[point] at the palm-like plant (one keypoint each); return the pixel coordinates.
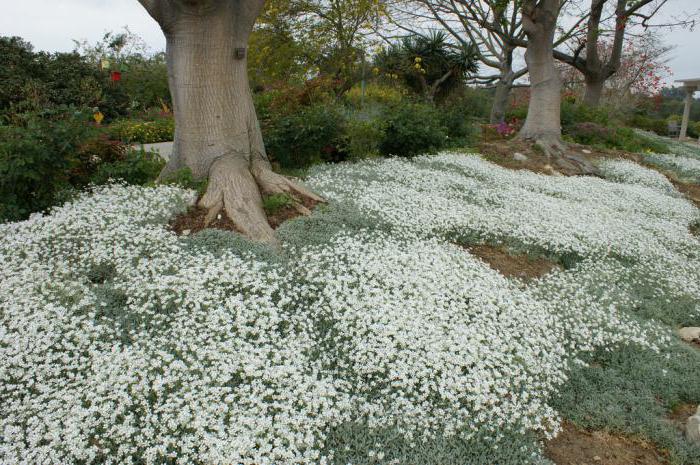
(429, 65)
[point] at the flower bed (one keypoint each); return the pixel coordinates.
(371, 338)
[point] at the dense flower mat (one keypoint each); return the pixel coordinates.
(373, 335)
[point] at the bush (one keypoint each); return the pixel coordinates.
(460, 123)
(614, 138)
(657, 126)
(574, 113)
(375, 93)
(137, 167)
(37, 159)
(363, 137)
(35, 81)
(274, 203)
(413, 129)
(144, 132)
(309, 136)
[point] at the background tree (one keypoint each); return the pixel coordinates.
(598, 58)
(543, 122)
(428, 65)
(217, 135)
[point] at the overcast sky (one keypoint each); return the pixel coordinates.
(53, 24)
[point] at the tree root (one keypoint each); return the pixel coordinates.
(564, 158)
(235, 190)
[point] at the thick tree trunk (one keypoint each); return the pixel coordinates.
(217, 135)
(594, 91)
(543, 122)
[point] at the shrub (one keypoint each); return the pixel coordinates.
(306, 137)
(615, 138)
(375, 93)
(573, 113)
(460, 123)
(37, 158)
(413, 129)
(144, 132)
(658, 126)
(34, 81)
(276, 202)
(363, 137)
(184, 178)
(137, 167)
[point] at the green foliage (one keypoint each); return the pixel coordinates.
(363, 137)
(309, 136)
(460, 123)
(413, 129)
(184, 178)
(146, 132)
(615, 138)
(658, 126)
(376, 93)
(428, 65)
(574, 113)
(37, 159)
(633, 391)
(274, 203)
(34, 81)
(137, 167)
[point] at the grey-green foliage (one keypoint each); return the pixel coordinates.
(326, 222)
(632, 391)
(358, 444)
(218, 242)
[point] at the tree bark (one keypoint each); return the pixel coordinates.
(217, 134)
(500, 98)
(594, 90)
(543, 122)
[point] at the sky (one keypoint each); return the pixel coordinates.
(52, 25)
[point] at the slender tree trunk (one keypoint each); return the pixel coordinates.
(594, 90)
(500, 99)
(217, 135)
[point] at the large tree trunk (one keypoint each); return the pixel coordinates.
(217, 135)
(543, 122)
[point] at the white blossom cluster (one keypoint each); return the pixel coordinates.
(452, 194)
(686, 168)
(629, 172)
(121, 342)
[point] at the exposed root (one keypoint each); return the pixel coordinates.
(563, 157)
(235, 190)
(273, 183)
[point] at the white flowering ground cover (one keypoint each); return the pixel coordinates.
(372, 337)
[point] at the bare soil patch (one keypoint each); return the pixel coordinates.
(502, 152)
(575, 446)
(679, 415)
(192, 221)
(513, 266)
(287, 213)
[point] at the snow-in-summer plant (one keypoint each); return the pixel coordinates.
(687, 169)
(121, 342)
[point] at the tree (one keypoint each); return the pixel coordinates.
(586, 56)
(428, 65)
(494, 26)
(217, 134)
(543, 122)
